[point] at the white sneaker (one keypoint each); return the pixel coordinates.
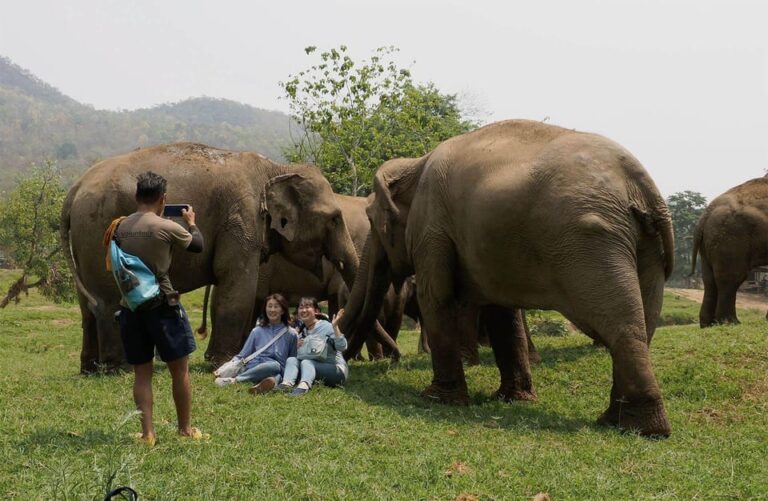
(224, 381)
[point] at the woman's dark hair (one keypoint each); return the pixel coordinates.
(313, 301)
(284, 318)
(150, 187)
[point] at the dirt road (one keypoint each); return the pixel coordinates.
(743, 300)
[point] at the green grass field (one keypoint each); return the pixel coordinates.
(65, 436)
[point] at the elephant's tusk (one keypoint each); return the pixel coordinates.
(341, 265)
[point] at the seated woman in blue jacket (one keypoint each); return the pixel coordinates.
(332, 370)
(265, 368)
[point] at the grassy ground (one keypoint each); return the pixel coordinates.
(64, 436)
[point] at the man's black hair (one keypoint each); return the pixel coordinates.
(150, 187)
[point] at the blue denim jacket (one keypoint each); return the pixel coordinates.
(279, 351)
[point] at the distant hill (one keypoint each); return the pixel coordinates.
(39, 122)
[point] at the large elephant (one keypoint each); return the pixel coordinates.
(520, 214)
(278, 274)
(732, 238)
(247, 207)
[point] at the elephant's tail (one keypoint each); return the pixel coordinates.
(698, 234)
(668, 242)
(203, 329)
(664, 223)
(657, 222)
(64, 227)
(652, 211)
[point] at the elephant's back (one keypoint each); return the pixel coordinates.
(562, 195)
(752, 193)
(738, 219)
(741, 208)
(213, 181)
(176, 161)
(553, 177)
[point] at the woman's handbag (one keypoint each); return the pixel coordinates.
(237, 365)
(230, 369)
(313, 348)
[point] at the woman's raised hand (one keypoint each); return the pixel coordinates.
(337, 317)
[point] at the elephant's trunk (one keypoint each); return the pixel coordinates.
(367, 296)
(343, 255)
(698, 234)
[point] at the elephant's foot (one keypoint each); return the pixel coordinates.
(105, 368)
(648, 418)
(453, 394)
(89, 366)
(704, 323)
(217, 359)
(729, 320)
(470, 358)
(511, 392)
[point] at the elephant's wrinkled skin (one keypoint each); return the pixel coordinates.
(247, 207)
(732, 238)
(521, 214)
(280, 275)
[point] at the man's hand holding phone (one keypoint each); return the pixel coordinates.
(189, 215)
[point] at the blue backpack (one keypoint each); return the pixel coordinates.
(135, 280)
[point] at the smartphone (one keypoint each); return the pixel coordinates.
(174, 210)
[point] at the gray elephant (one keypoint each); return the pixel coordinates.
(278, 274)
(247, 207)
(732, 238)
(520, 214)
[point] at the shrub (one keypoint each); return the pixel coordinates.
(548, 327)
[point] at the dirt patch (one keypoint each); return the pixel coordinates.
(744, 301)
(756, 392)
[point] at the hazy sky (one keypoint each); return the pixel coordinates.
(682, 84)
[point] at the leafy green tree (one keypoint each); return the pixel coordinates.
(686, 208)
(29, 232)
(356, 115)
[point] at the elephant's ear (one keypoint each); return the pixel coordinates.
(281, 202)
(395, 180)
(387, 210)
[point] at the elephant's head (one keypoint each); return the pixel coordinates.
(386, 258)
(394, 187)
(303, 222)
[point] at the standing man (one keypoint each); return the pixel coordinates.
(160, 323)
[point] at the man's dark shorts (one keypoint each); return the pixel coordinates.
(165, 327)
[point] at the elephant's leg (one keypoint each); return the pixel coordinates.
(709, 304)
(533, 353)
(725, 312)
(468, 325)
(423, 340)
(510, 348)
(651, 279)
(111, 353)
(89, 353)
(386, 341)
(636, 402)
(612, 308)
(435, 286)
(258, 308)
(375, 351)
(232, 302)
(231, 319)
